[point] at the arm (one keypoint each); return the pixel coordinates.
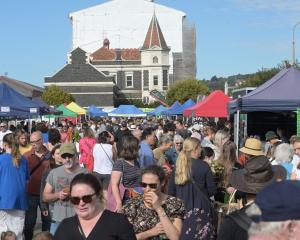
(115, 181)
(155, 231)
(294, 176)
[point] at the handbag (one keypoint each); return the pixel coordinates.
(111, 203)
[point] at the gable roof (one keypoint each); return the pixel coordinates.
(107, 54)
(154, 37)
(280, 93)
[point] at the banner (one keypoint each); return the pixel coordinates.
(159, 97)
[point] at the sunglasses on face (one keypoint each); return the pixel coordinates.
(151, 185)
(67, 155)
(85, 199)
(36, 141)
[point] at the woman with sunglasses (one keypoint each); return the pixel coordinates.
(92, 221)
(155, 215)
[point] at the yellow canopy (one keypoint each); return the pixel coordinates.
(76, 108)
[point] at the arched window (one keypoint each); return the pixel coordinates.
(155, 59)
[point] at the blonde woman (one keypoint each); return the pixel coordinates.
(193, 183)
(14, 174)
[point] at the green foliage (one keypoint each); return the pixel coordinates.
(185, 89)
(53, 95)
(260, 77)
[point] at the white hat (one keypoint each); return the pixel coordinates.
(132, 127)
(196, 135)
(197, 127)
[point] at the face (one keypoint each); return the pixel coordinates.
(36, 141)
(137, 133)
(68, 160)
(178, 145)
(85, 209)
(167, 146)
(3, 127)
(151, 183)
(57, 157)
(151, 139)
(296, 146)
(23, 140)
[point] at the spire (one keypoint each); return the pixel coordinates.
(154, 37)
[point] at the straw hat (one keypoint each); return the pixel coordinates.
(252, 147)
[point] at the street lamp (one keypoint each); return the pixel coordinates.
(294, 58)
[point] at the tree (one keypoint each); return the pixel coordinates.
(53, 95)
(260, 77)
(185, 89)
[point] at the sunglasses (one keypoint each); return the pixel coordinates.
(67, 155)
(151, 185)
(85, 199)
(36, 141)
(2, 126)
(178, 143)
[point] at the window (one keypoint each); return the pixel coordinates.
(155, 80)
(155, 59)
(129, 81)
(146, 100)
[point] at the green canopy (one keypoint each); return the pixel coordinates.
(66, 112)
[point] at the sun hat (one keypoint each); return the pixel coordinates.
(132, 127)
(271, 135)
(67, 148)
(279, 201)
(197, 127)
(196, 135)
(252, 147)
(257, 173)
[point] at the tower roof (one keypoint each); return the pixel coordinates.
(154, 37)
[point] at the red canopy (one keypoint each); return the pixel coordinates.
(215, 105)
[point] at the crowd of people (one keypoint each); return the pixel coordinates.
(146, 179)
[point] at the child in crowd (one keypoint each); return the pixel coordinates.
(8, 235)
(43, 236)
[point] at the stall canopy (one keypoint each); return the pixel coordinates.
(280, 93)
(127, 111)
(179, 110)
(157, 111)
(169, 111)
(215, 105)
(76, 108)
(65, 111)
(96, 112)
(13, 103)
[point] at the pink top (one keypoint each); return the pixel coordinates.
(86, 146)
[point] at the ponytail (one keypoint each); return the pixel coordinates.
(15, 152)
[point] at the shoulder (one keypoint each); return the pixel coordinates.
(114, 217)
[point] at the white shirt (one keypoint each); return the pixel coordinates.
(103, 158)
(2, 134)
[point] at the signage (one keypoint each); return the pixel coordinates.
(5, 109)
(159, 97)
(33, 110)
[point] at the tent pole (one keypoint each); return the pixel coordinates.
(237, 131)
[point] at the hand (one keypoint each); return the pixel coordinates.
(152, 199)
(62, 195)
(118, 207)
(45, 213)
(230, 190)
(158, 229)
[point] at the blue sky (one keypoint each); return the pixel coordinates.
(233, 36)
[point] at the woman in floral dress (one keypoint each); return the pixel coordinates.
(155, 215)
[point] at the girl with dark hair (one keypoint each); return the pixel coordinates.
(156, 215)
(126, 170)
(53, 138)
(91, 220)
(86, 145)
(104, 157)
(14, 174)
(207, 154)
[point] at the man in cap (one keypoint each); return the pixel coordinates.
(257, 174)
(57, 189)
(279, 204)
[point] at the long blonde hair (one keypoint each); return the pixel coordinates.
(184, 161)
(13, 144)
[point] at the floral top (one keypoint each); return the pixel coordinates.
(143, 218)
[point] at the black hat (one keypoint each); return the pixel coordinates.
(258, 173)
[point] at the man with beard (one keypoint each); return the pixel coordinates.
(57, 189)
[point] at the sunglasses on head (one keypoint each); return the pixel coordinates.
(151, 185)
(85, 199)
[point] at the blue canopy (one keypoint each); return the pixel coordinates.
(157, 111)
(13, 103)
(96, 112)
(127, 111)
(169, 112)
(280, 93)
(179, 110)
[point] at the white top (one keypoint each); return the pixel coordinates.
(295, 162)
(2, 134)
(103, 162)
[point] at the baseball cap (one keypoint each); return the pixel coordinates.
(67, 148)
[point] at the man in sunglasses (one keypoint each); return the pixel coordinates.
(57, 189)
(3, 131)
